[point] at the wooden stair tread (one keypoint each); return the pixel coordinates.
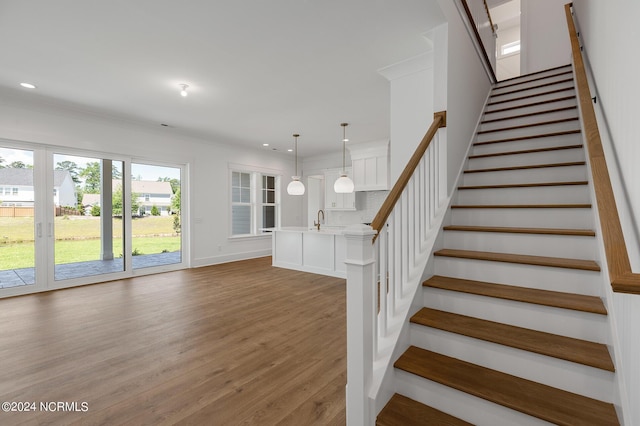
(535, 95)
(524, 185)
(555, 299)
(510, 230)
(550, 101)
(545, 402)
(531, 114)
(524, 126)
(529, 166)
(555, 262)
(566, 348)
(523, 89)
(527, 151)
(522, 138)
(404, 411)
(521, 206)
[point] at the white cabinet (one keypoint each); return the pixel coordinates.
(332, 200)
(370, 161)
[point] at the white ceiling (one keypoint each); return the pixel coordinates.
(258, 70)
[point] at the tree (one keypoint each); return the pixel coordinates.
(115, 173)
(175, 209)
(71, 167)
(175, 202)
(175, 183)
(91, 176)
(117, 202)
(155, 211)
(95, 210)
(18, 165)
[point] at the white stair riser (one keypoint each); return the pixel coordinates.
(574, 194)
(538, 175)
(525, 218)
(557, 103)
(541, 277)
(459, 404)
(533, 80)
(529, 131)
(573, 247)
(539, 98)
(571, 377)
(544, 157)
(535, 143)
(563, 322)
(532, 119)
(518, 92)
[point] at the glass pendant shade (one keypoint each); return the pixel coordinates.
(344, 185)
(295, 187)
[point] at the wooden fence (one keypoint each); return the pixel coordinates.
(28, 211)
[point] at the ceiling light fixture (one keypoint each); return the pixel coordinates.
(344, 185)
(28, 85)
(295, 187)
(184, 87)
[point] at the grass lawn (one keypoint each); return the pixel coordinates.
(78, 239)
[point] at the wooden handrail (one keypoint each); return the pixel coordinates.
(439, 120)
(486, 7)
(623, 280)
(485, 56)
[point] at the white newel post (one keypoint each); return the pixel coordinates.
(360, 263)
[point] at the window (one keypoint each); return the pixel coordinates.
(15, 191)
(268, 202)
(254, 202)
(147, 197)
(241, 203)
(510, 48)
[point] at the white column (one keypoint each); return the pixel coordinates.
(361, 293)
(106, 210)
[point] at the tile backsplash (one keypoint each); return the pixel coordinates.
(368, 204)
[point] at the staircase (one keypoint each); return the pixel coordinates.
(512, 330)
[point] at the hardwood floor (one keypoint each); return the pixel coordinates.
(235, 344)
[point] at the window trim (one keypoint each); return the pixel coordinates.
(256, 203)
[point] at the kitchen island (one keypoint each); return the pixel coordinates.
(310, 250)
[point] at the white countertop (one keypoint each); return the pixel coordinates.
(331, 230)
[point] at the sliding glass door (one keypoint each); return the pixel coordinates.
(71, 218)
(156, 225)
(17, 218)
(87, 216)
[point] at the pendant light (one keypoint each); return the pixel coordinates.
(295, 187)
(344, 185)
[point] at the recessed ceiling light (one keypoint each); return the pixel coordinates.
(265, 144)
(28, 85)
(184, 88)
(290, 150)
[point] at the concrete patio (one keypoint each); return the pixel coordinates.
(26, 276)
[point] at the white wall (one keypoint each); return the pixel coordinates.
(411, 86)
(544, 40)
(609, 32)
(467, 86)
(24, 119)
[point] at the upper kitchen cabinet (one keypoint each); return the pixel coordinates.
(333, 200)
(370, 162)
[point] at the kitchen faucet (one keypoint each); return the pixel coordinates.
(317, 225)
